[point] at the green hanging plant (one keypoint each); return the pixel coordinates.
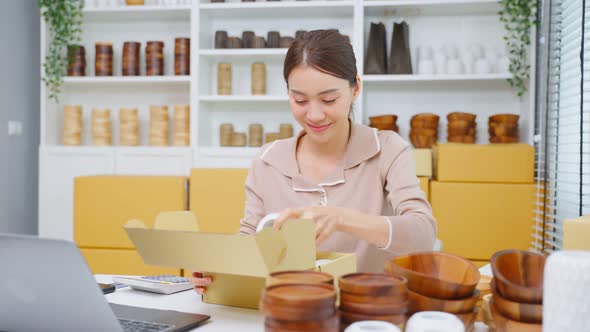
(518, 16)
(64, 19)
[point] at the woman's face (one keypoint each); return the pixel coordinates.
(320, 102)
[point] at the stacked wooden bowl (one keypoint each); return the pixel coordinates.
(226, 131)
(101, 127)
(424, 130)
(373, 296)
(159, 125)
(300, 307)
(128, 127)
(103, 59)
(182, 56)
(503, 128)
(154, 58)
(181, 125)
(517, 289)
(439, 282)
(285, 130)
(384, 122)
(255, 132)
(299, 277)
(461, 127)
(72, 129)
(130, 61)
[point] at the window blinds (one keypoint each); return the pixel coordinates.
(562, 125)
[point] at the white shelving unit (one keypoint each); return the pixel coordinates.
(432, 22)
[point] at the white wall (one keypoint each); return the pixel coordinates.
(19, 101)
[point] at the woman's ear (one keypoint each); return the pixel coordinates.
(357, 89)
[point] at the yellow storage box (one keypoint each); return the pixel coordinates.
(497, 163)
(103, 204)
(423, 162)
(576, 233)
(217, 198)
(477, 219)
(425, 186)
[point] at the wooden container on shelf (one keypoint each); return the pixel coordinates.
(224, 79)
(128, 127)
(259, 42)
(238, 139)
(76, 60)
(182, 56)
(248, 39)
(221, 39)
(101, 127)
(103, 59)
(299, 277)
(286, 42)
(154, 58)
(226, 131)
(134, 2)
(461, 127)
(255, 132)
(286, 130)
(258, 78)
(273, 39)
(234, 42)
(72, 125)
(271, 137)
(424, 130)
(181, 124)
(130, 60)
(159, 122)
(503, 128)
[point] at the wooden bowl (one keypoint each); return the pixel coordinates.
(454, 116)
(436, 274)
(504, 129)
(519, 275)
(299, 277)
(134, 2)
(504, 324)
(370, 308)
(298, 301)
(328, 324)
(504, 118)
(396, 296)
(422, 142)
(350, 317)
(423, 132)
(419, 302)
(522, 312)
(375, 284)
(424, 120)
(383, 119)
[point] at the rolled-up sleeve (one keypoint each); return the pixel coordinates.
(413, 227)
(254, 207)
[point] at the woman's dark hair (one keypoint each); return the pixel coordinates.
(325, 50)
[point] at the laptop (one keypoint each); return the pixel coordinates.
(45, 285)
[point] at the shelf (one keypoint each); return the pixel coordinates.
(435, 78)
(431, 7)
(139, 13)
(284, 9)
(90, 149)
(265, 53)
(228, 152)
(127, 80)
(243, 98)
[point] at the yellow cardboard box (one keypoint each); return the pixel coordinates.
(121, 261)
(423, 162)
(576, 233)
(497, 163)
(477, 219)
(237, 263)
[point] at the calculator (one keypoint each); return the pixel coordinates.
(162, 284)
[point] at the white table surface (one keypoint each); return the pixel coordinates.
(223, 318)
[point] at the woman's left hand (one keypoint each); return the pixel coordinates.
(327, 219)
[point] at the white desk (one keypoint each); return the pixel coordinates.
(223, 318)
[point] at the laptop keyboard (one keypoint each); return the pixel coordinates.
(141, 326)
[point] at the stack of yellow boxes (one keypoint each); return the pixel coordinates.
(102, 206)
(483, 198)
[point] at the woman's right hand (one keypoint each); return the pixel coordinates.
(200, 282)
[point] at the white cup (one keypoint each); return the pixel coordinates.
(477, 50)
(482, 66)
(438, 321)
(440, 62)
(455, 67)
(372, 326)
(468, 60)
(503, 65)
(426, 67)
(451, 51)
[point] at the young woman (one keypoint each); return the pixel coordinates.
(356, 183)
